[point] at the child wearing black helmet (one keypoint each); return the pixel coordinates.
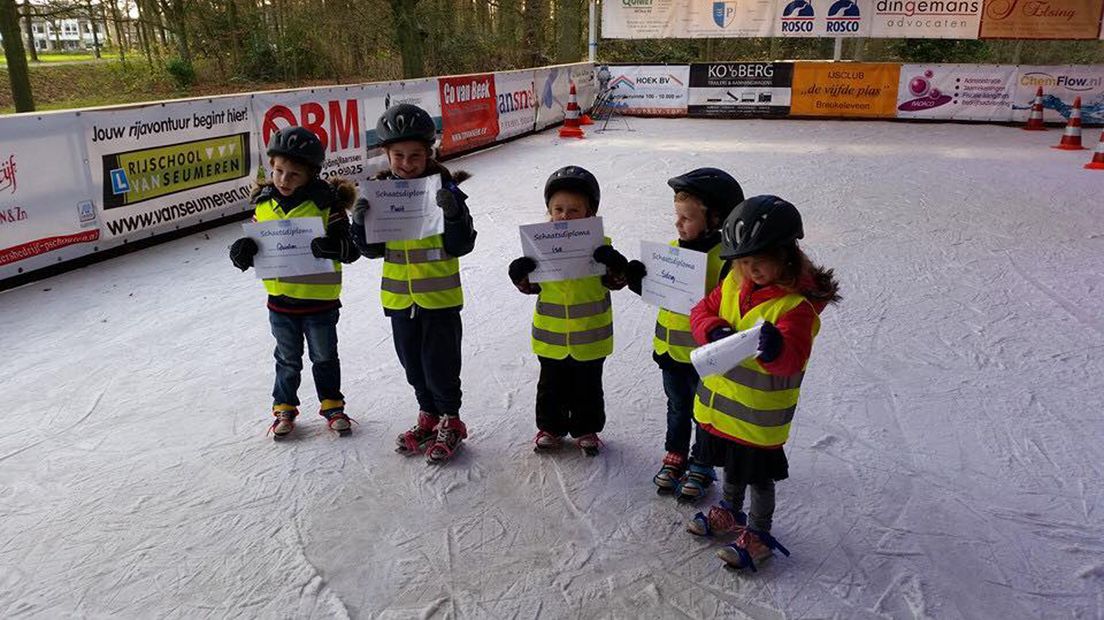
(703, 199)
(572, 324)
(420, 289)
(303, 307)
(747, 411)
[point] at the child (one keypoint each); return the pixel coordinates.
(703, 199)
(572, 324)
(746, 412)
(421, 289)
(303, 306)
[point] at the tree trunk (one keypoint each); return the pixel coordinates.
(120, 38)
(408, 37)
(235, 34)
(18, 75)
(535, 14)
(569, 23)
(92, 25)
(28, 27)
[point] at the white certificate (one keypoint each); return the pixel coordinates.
(717, 358)
(401, 209)
(563, 250)
(676, 276)
(284, 247)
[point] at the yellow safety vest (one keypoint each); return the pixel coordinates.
(420, 272)
(322, 286)
(672, 330)
(748, 403)
(573, 318)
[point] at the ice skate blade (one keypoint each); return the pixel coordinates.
(590, 451)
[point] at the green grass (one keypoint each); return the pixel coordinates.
(46, 58)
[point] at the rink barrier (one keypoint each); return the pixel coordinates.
(80, 186)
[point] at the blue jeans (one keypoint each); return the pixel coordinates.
(320, 332)
(680, 381)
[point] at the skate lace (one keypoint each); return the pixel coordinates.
(674, 460)
(722, 520)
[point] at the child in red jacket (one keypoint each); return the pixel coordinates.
(746, 412)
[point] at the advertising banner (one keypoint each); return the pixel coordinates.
(863, 90)
(159, 167)
(1061, 85)
(740, 89)
(552, 85)
(586, 84)
(956, 92)
(925, 19)
(1035, 19)
(517, 103)
(838, 18)
(47, 212)
(650, 90)
(469, 112)
(334, 114)
(655, 19)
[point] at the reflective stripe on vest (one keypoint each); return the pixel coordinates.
(573, 318)
(672, 332)
(747, 403)
(322, 286)
(420, 272)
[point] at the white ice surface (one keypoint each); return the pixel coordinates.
(946, 459)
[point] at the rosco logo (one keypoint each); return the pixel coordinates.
(7, 174)
(843, 16)
(798, 16)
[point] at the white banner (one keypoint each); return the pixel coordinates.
(551, 87)
(47, 212)
(517, 103)
(1061, 85)
(563, 250)
(675, 277)
(160, 167)
(376, 98)
(650, 90)
(335, 115)
(658, 19)
(284, 247)
(402, 209)
(960, 92)
(586, 84)
(838, 18)
(925, 19)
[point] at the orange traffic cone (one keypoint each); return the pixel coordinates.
(586, 120)
(1071, 138)
(571, 128)
(1035, 121)
(1097, 162)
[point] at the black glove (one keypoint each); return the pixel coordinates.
(360, 211)
(611, 258)
(333, 248)
(770, 342)
(448, 203)
(634, 273)
(242, 252)
(520, 269)
(718, 333)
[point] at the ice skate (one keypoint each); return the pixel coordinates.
(334, 412)
(751, 548)
(284, 422)
(722, 520)
(589, 444)
(450, 433)
(417, 439)
(547, 442)
(667, 479)
(695, 484)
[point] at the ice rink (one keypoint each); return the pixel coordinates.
(946, 459)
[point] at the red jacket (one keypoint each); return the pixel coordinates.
(796, 325)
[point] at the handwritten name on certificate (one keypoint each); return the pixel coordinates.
(283, 247)
(401, 209)
(676, 276)
(563, 250)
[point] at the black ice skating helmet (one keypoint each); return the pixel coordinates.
(574, 179)
(718, 191)
(405, 121)
(758, 224)
(297, 143)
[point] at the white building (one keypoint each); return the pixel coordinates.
(66, 34)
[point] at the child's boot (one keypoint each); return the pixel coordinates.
(751, 548)
(589, 444)
(418, 438)
(334, 412)
(674, 465)
(450, 432)
(722, 520)
(547, 442)
(695, 484)
(284, 422)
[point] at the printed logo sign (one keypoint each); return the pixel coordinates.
(724, 13)
(650, 90)
(1041, 19)
(7, 175)
(334, 119)
(964, 92)
(926, 19)
(740, 90)
(1061, 85)
(852, 89)
(469, 112)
